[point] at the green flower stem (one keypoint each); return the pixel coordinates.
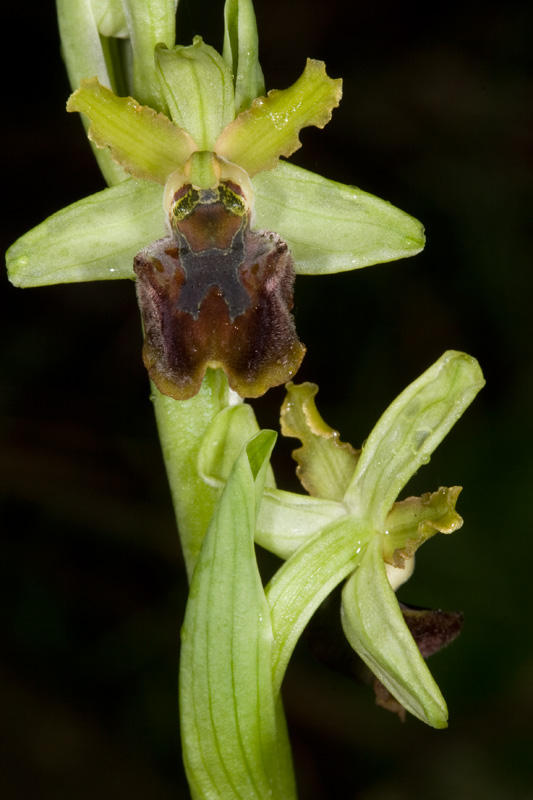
(182, 425)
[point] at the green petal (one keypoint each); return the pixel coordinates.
(375, 628)
(331, 227)
(147, 144)
(149, 23)
(241, 52)
(198, 88)
(227, 702)
(306, 579)
(414, 520)
(325, 464)
(270, 128)
(94, 239)
(409, 431)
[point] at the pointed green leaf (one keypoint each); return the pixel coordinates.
(198, 88)
(229, 712)
(306, 579)
(147, 144)
(325, 464)
(414, 520)
(409, 431)
(149, 22)
(269, 129)
(84, 56)
(376, 629)
(287, 520)
(94, 239)
(331, 227)
(241, 52)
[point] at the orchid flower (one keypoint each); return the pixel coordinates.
(205, 214)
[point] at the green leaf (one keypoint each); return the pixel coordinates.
(92, 240)
(331, 227)
(228, 433)
(149, 22)
(325, 464)
(198, 88)
(241, 52)
(269, 129)
(409, 431)
(84, 57)
(287, 520)
(306, 579)
(147, 144)
(231, 731)
(375, 628)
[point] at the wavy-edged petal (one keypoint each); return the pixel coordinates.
(413, 521)
(325, 464)
(147, 144)
(269, 129)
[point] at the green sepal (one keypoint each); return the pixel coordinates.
(269, 129)
(240, 52)
(288, 520)
(409, 431)
(222, 443)
(331, 227)
(376, 629)
(325, 464)
(94, 239)
(413, 521)
(198, 88)
(149, 22)
(306, 579)
(231, 732)
(147, 144)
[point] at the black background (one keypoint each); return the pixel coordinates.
(437, 118)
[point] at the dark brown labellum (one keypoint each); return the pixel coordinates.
(216, 294)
